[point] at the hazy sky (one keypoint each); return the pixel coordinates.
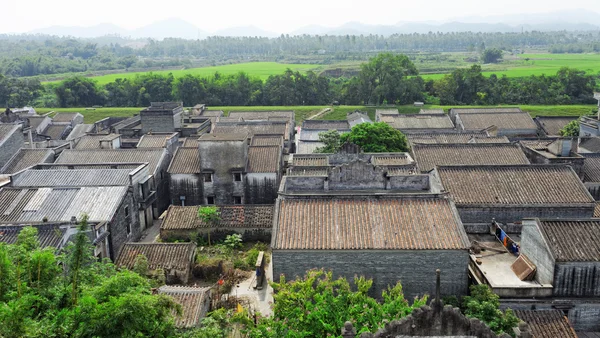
(273, 15)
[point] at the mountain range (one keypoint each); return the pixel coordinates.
(571, 20)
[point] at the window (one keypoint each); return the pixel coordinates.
(127, 220)
(237, 199)
(207, 177)
(237, 177)
(210, 200)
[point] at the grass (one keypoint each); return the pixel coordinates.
(261, 70)
(337, 112)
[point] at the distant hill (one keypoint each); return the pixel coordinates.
(572, 20)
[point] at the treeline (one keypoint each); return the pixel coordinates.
(25, 55)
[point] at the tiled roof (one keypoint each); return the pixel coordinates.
(597, 210)
(491, 110)
(240, 136)
(190, 142)
(48, 235)
(263, 159)
(152, 156)
(305, 147)
(591, 144)
(432, 138)
(154, 140)
(326, 124)
(212, 113)
(185, 161)
(400, 171)
(300, 171)
(26, 158)
(165, 256)
(388, 111)
(591, 169)
(501, 120)
(231, 216)
(369, 223)
(56, 131)
(24, 205)
(193, 303)
(310, 135)
(64, 117)
(537, 144)
(551, 125)
(391, 159)
(420, 121)
(267, 140)
(514, 184)
(80, 130)
(35, 121)
(93, 141)
(311, 161)
(6, 130)
(72, 178)
(491, 139)
(547, 323)
(572, 240)
(263, 115)
(432, 111)
(430, 155)
(253, 128)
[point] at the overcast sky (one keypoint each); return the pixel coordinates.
(274, 15)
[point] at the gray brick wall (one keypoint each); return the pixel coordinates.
(10, 146)
(415, 269)
(534, 247)
(118, 226)
(577, 279)
(188, 185)
(261, 188)
(511, 214)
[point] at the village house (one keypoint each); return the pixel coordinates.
(257, 127)
(253, 222)
(510, 193)
(428, 156)
(554, 151)
(263, 174)
(511, 122)
(309, 139)
(175, 259)
(194, 301)
(185, 177)
(359, 218)
(161, 117)
(11, 140)
(158, 162)
(552, 125)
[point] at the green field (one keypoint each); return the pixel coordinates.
(303, 112)
(261, 70)
(537, 64)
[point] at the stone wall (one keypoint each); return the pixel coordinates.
(261, 188)
(187, 185)
(118, 226)
(484, 213)
(413, 268)
(534, 247)
(10, 146)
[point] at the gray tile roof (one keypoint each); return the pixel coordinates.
(151, 156)
(264, 159)
(155, 140)
(454, 138)
(514, 184)
(6, 130)
(419, 121)
(24, 205)
(551, 125)
(305, 147)
(547, 323)
(194, 303)
(591, 144)
(253, 128)
(164, 256)
(239, 136)
(428, 156)
(57, 131)
(326, 124)
(26, 158)
(572, 240)
(79, 131)
(263, 115)
(591, 168)
(72, 178)
(267, 140)
(231, 216)
(363, 223)
(185, 161)
(504, 121)
(488, 110)
(190, 142)
(94, 141)
(65, 117)
(48, 235)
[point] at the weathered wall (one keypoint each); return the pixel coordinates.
(577, 279)
(261, 188)
(187, 185)
(221, 158)
(510, 214)
(357, 175)
(534, 247)
(409, 182)
(305, 183)
(160, 121)
(10, 146)
(118, 226)
(414, 268)
(161, 179)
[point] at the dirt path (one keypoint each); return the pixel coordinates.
(319, 114)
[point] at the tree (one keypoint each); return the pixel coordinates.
(491, 55)
(571, 129)
(318, 305)
(485, 305)
(331, 140)
(384, 77)
(210, 215)
(378, 137)
(79, 92)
